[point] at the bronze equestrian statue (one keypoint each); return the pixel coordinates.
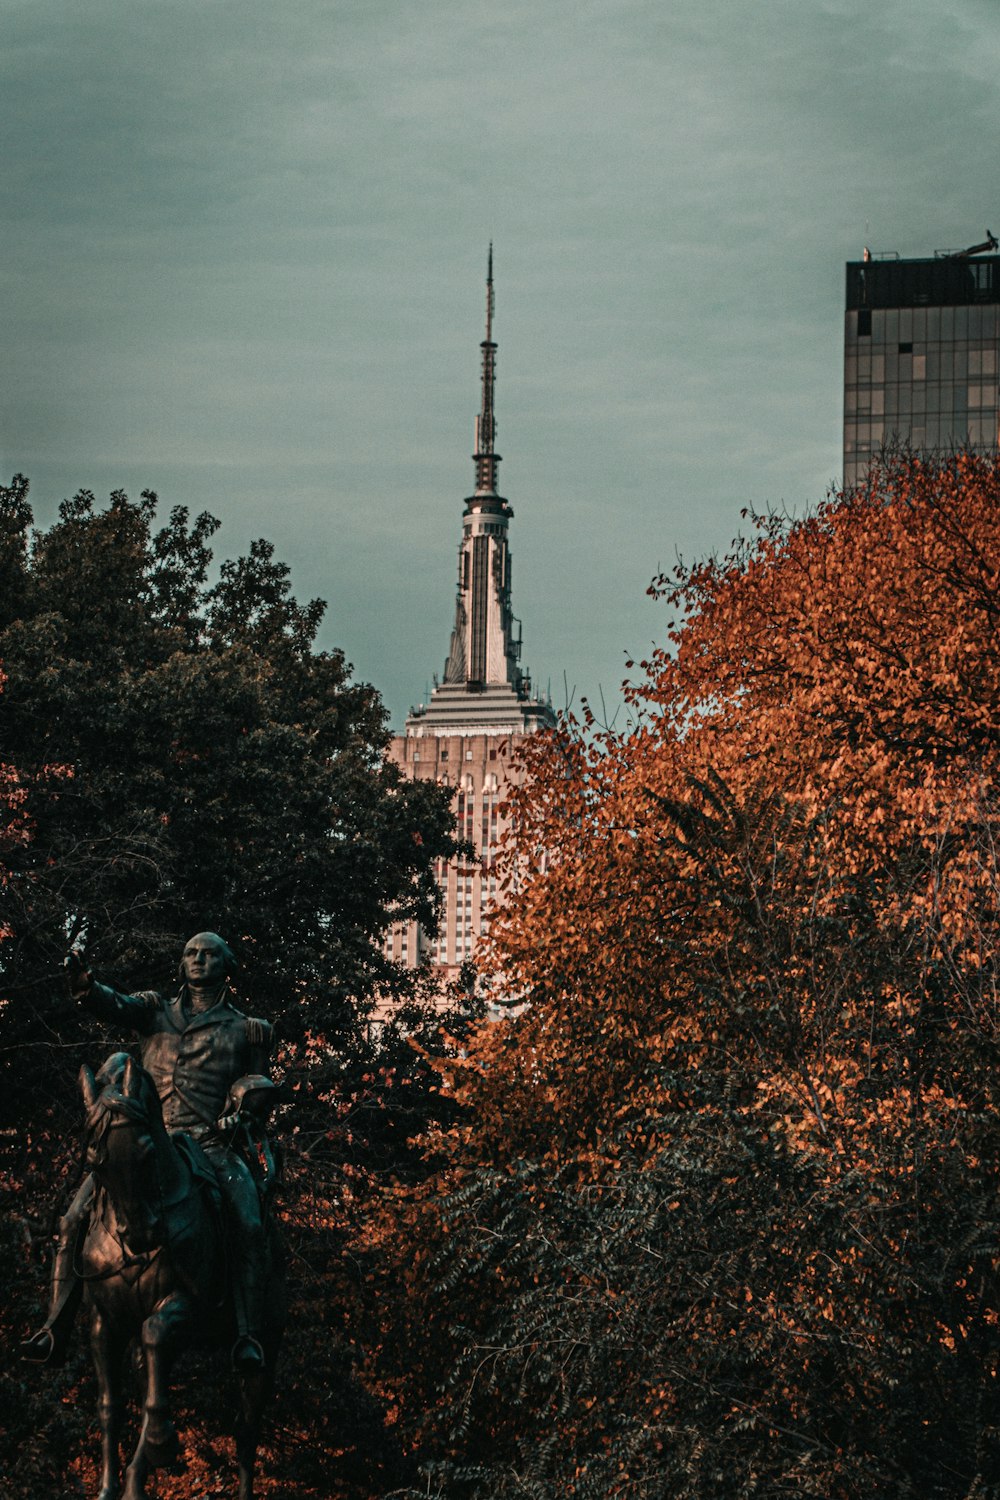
(165, 1143)
(154, 1262)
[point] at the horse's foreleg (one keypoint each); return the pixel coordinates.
(135, 1477)
(254, 1390)
(162, 1335)
(108, 1349)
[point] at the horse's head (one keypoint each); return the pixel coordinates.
(121, 1092)
(125, 1140)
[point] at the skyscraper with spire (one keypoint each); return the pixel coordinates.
(484, 703)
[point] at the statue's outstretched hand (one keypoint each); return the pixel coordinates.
(78, 978)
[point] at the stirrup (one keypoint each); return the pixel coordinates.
(247, 1356)
(42, 1348)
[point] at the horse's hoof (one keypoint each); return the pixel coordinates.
(162, 1448)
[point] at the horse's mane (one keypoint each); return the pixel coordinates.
(121, 1086)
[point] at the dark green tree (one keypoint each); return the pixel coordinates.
(187, 759)
(193, 760)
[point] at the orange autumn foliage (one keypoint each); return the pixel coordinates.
(722, 1217)
(820, 740)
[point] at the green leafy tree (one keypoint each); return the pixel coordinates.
(218, 767)
(188, 759)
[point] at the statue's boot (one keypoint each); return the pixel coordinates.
(49, 1344)
(248, 1304)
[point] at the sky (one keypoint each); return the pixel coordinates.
(243, 248)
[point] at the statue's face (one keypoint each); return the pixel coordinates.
(204, 961)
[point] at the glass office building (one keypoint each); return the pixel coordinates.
(921, 341)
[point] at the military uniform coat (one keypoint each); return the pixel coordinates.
(194, 1060)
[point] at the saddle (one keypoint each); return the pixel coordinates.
(201, 1170)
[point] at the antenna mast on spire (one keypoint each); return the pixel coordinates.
(489, 294)
(484, 457)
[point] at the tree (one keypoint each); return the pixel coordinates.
(189, 760)
(722, 1217)
(221, 765)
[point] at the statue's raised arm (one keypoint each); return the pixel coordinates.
(134, 1012)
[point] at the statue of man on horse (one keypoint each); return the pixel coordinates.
(208, 1062)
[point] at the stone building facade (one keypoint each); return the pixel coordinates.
(464, 737)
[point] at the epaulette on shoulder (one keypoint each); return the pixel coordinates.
(151, 1000)
(259, 1033)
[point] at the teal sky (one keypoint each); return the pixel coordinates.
(243, 255)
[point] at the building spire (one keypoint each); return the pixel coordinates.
(484, 458)
(484, 686)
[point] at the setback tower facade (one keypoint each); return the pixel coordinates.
(482, 707)
(921, 341)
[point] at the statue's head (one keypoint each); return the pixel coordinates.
(206, 961)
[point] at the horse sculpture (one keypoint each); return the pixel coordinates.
(154, 1266)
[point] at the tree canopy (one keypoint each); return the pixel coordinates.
(714, 1211)
(215, 769)
(723, 1217)
(178, 756)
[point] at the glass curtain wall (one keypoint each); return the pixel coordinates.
(920, 357)
(925, 377)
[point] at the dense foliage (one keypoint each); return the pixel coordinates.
(216, 765)
(723, 1219)
(716, 1212)
(179, 756)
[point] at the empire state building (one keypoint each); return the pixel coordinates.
(483, 705)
